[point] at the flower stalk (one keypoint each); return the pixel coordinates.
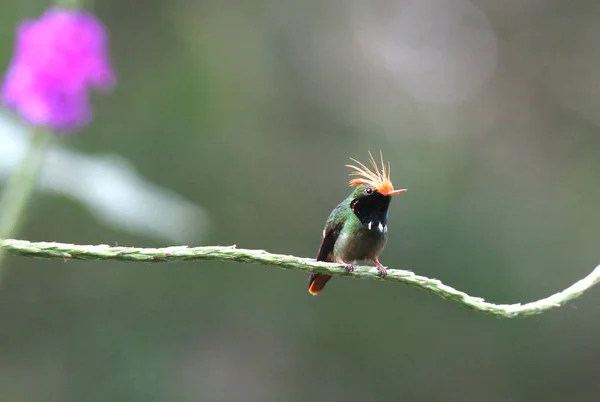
(15, 197)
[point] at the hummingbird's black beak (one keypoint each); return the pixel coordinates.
(394, 192)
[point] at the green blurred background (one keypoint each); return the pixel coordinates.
(487, 111)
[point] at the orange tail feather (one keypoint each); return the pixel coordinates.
(317, 283)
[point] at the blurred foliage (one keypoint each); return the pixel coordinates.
(251, 109)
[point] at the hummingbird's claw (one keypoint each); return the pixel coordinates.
(381, 268)
(349, 267)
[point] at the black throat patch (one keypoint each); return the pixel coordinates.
(372, 209)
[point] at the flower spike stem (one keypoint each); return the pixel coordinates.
(231, 253)
(20, 186)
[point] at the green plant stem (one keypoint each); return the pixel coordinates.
(231, 253)
(20, 186)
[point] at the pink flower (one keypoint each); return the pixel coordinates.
(57, 58)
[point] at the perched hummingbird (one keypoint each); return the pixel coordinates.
(356, 229)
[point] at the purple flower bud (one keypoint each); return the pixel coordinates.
(57, 58)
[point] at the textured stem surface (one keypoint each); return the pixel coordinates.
(231, 253)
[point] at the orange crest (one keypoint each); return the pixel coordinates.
(379, 180)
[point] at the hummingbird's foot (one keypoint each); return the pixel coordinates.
(349, 267)
(381, 268)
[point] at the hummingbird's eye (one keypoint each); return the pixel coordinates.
(369, 190)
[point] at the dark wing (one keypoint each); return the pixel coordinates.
(330, 234)
(332, 230)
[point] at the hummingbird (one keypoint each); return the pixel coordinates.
(356, 230)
